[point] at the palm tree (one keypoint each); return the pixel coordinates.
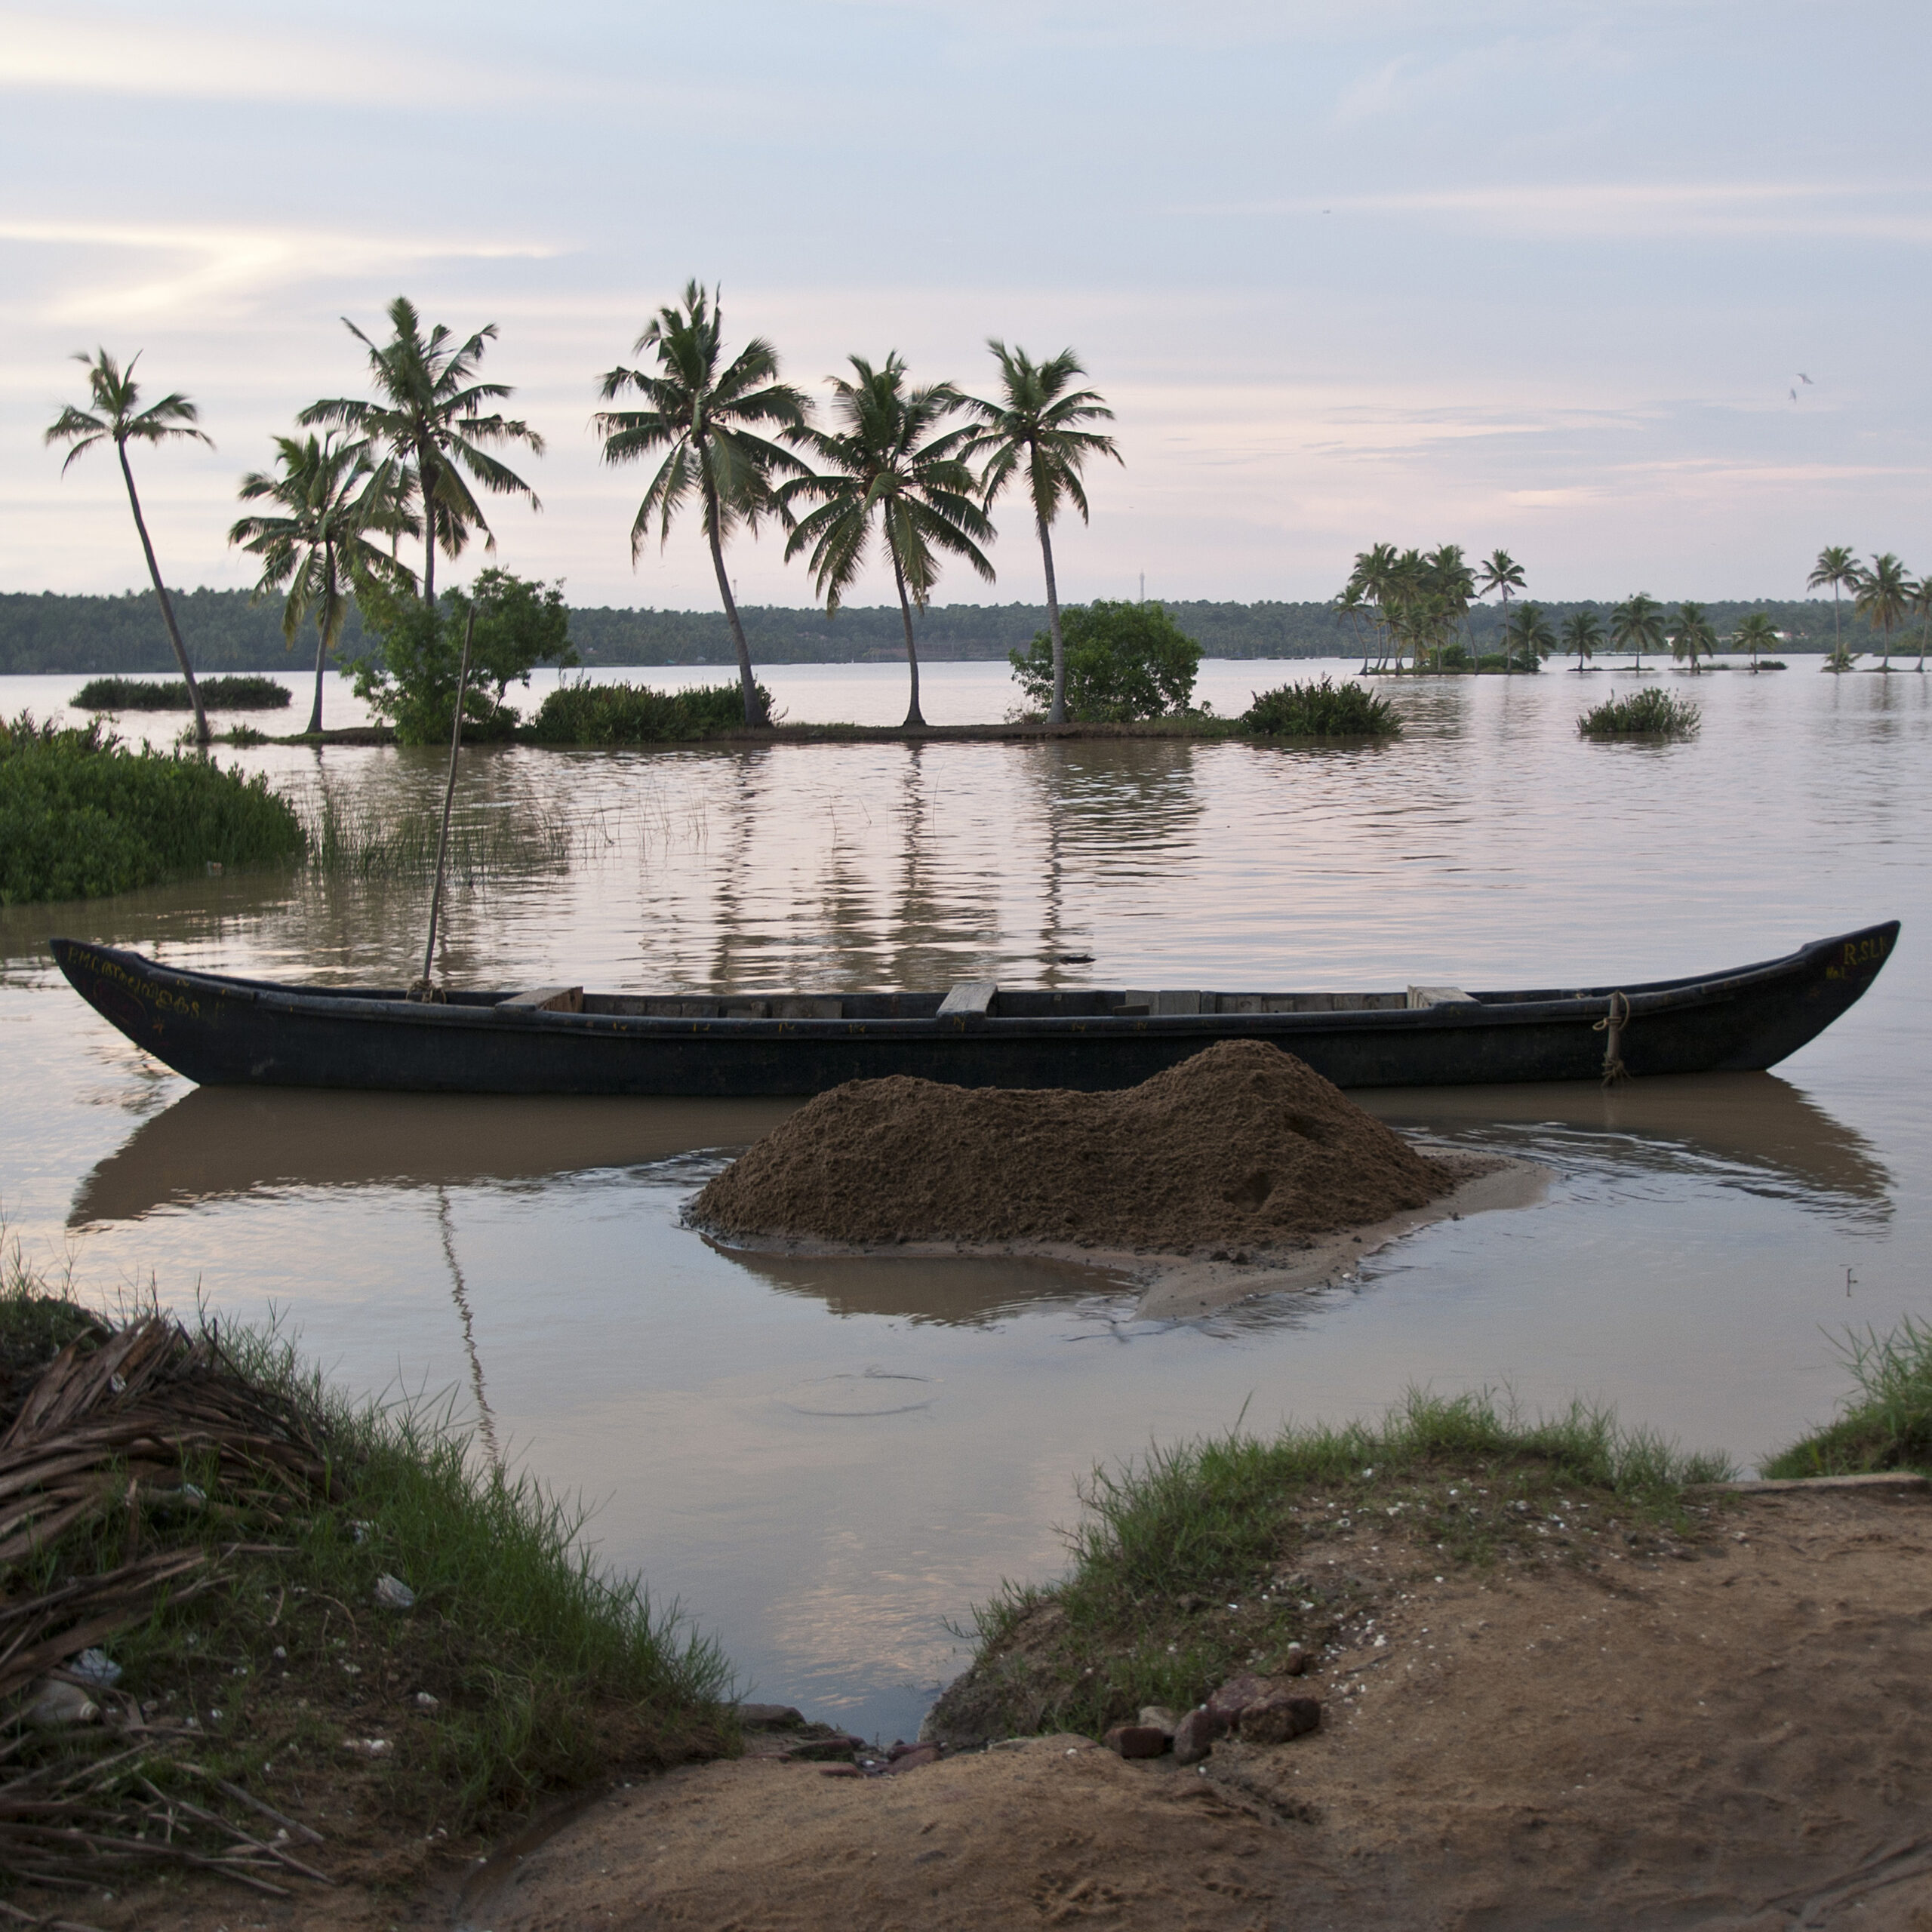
(1753, 634)
(1838, 566)
(1922, 605)
(427, 414)
(1499, 571)
(886, 460)
(704, 415)
(1036, 423)
(1582, 632)
(1452, 588)
(1691, 632)
(1350, 602)
(1883, 597)
(1526, 635)
(1373, 579)
(331, 496)
(1637, 625)
(117, 417)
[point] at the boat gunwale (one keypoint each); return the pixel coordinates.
(392, 1007)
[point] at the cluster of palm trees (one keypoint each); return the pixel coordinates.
(1884, 592)
(1417, 604)
(919, 466)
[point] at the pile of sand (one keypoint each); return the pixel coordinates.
(1242, 1146)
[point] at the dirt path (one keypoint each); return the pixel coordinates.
(1743, 1740)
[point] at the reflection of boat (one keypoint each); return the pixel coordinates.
(1749, 1130)
(222, 1031)
(219, 1142)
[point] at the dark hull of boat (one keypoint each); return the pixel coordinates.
(222, 1031)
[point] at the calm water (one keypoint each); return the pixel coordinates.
(825, 1461)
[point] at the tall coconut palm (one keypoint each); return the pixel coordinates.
(1452, 588)
(333, 498)
(1582, 632)
(1499, 571)
(1036, 424)
(1921, 606)
(1526, 635)
(1636, 625)
(1352, 602)
(117, 417)
(1753, 634)
(705, 414)
(427, 414)
(1373, 578)
(1838, 566)
(889, 458)
(1691, 633)
(1882, 597)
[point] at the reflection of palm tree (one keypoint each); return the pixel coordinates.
(1037, 424)
(428, 412)
(1884, 595)
(706, 415)
(1838, 566)
(1582, 632)
(890, 459)
(1636, 625)
(117, 418)
(331, 497)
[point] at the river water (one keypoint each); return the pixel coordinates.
(825, 1461)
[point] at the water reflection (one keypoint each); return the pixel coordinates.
(959, 1291)
(217, 1143)
(1749, 1130)
(486, 1420)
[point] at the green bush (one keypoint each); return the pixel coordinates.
(583, 713)
(411, 680)
(237, 693)
(1325, 710)
(81, 817)
(1123, 662)
(1646, 714)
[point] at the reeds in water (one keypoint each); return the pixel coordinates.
(356, 840)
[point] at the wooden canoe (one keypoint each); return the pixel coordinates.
(219, 1031)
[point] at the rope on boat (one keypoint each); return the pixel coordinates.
(426, 988)
(1614, 1023)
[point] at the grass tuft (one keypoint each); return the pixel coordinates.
(1887, 1425)
(1205, 1559)
(1324, 710)
(1645, 714)
(352, 839)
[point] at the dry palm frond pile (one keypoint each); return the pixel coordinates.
(135, 1452)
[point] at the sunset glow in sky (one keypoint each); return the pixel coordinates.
(1542, 274)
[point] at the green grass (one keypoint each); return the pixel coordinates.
(547, 1671)
(1645, 714)
(80, 816)
(1324, 710)
(245, 693)
(583, 713)
(352, 840)
(1206, 1559)
(1887, 1424)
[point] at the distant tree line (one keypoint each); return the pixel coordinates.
(46, 632)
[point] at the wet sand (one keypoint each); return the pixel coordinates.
(1173, 1287)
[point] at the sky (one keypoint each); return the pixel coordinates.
(1542, 275)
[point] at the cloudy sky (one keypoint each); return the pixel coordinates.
(1541, 275)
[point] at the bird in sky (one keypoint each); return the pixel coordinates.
(1794, 395)
(1806, 380)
